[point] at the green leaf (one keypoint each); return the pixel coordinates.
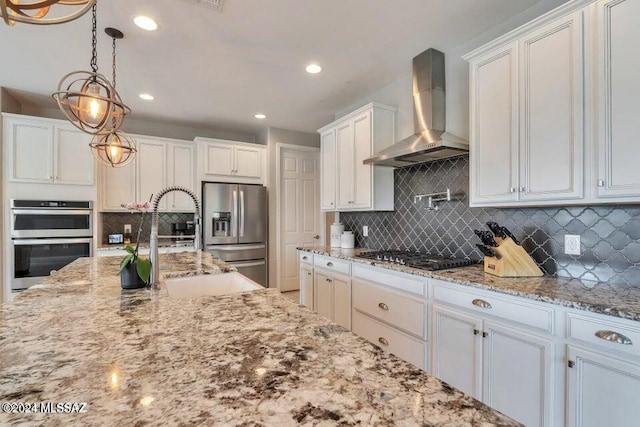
(130, 249)
(144, 269)
(125, 261)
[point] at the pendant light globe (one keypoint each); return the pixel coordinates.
(38, 11)
(115, 148)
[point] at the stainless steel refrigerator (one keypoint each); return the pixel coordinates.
(235, 226)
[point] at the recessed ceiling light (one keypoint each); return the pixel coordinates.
(313, 68)
(145, 23)
(146, 97)
(260, 116)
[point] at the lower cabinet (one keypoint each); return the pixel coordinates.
(306, 285)
(332, 296)
(509, 369)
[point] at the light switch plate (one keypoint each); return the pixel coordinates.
(572, 244)
(127, 228)
(365, 230)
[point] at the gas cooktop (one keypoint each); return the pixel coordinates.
(416, 260)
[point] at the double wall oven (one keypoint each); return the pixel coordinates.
(46, 236)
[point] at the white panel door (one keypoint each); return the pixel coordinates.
(346, 158)
(118, 186)
(152, 170)
(31, 151)
(323, 294)
(518, 374)
(248, 162)
(363, 174)
(551, 111)
(494, 127)
(219, 159)
(342, 301)
(73, 161)
(299, 211)
(603, 391)
(618, 93)
(457, 346)
(181, 173)
(328, 165)
(306, 286)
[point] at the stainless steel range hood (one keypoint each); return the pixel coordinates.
(430, 141)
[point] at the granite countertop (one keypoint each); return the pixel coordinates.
(257, 358)
(598, 297)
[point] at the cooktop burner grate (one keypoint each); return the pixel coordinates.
(416, 260)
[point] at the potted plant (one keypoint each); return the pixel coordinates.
(135, 271)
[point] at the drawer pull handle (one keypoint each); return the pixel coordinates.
(305, 258)
(383, 341)
(481, 303)
(329, 264)
(327, 280)
(476, 332)
(383, 306)
(614, 337)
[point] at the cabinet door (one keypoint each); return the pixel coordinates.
(494, 127)
(248, 162)
(118, 186)
(219, 159)
(518, 374)
(346, 159)
(551, 112)
(73, 161)
(323, 294)
(31, 151)
(602, 391)
(618, 92)
(457, 343)
(342, 302)
(328, 170)
(363, 174)
(181, 173)
(152, 170)
(306, 286)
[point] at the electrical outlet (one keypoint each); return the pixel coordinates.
(365, 230)
(572, 244)
(127, 228)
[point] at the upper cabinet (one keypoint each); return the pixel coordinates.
(347, 183)
(47, 151)
(618, 91)
(552, 106)
(230, 161)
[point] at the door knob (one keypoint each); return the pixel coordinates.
(317, 237)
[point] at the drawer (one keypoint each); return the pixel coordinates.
(389, 339)
(612, 335)
(400, 311)
(332, 264)
(384, 276)
(306, 257)
(518, 311)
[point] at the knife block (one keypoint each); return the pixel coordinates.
(515, 261)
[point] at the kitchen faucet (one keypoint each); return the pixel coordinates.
(153, 254)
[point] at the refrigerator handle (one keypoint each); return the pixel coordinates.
(241, 213)
(234, 220)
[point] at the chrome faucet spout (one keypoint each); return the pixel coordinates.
(154, 279)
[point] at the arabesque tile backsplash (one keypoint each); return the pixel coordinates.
(610, 234)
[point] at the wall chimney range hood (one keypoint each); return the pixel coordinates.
(430, 141)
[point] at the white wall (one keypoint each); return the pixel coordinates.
(400, 92)
(271, 137)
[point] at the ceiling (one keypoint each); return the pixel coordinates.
(216, 70)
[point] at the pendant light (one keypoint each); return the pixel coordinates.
(36, 12)
(87, 99)
(112, 146)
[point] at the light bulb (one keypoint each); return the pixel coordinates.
(113, 150)
(94, 108)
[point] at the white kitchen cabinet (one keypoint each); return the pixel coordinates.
(332, 296)
(602, 391)
(47, 151)
(328, 171)
(346, 181)
(618, 66)
(551, 111)
(181, 172)
(118, 185)
(151, 162)
(230, 161)
(306, 286)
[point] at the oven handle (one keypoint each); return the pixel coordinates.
(51, 212)
(33, 242)
(240, 264)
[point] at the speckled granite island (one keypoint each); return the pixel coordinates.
(141, 358)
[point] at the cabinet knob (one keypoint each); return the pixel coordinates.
(522, 189)
(305, 258)
(308, 273)
(331, 203)
(383, 306)
(481, 303)
(327, 280)
(476, 332)
(50, 177)
(383, 341)
(329, 264)
(512, 189)
(601, 183)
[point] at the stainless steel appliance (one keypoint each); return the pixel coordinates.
(46, 236)
(416, 260)
(235, 226)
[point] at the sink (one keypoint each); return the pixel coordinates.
(210, 284)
